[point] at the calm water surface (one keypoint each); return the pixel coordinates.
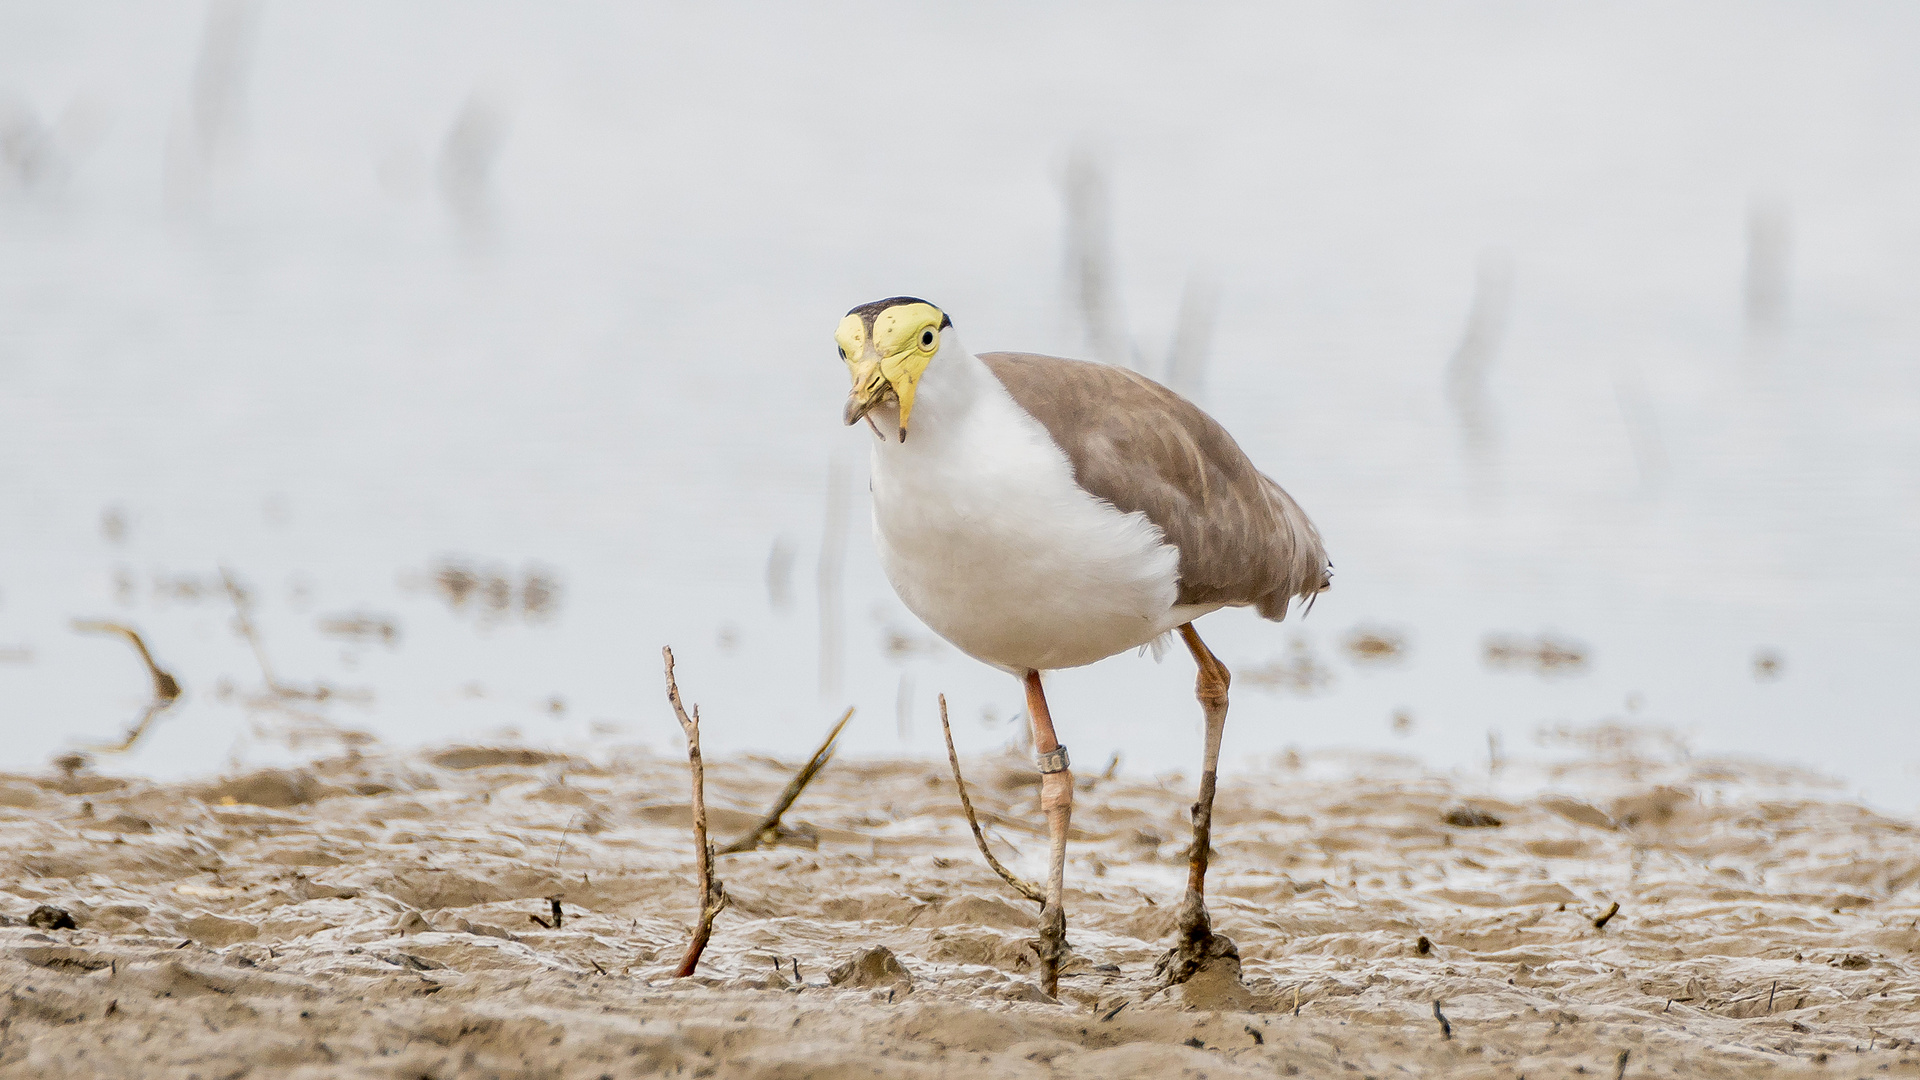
(333, 296)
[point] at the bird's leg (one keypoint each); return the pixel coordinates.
(1210, 686)
(1196, 942)
(1056, 801)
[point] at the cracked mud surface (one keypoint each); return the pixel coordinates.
(375, 916)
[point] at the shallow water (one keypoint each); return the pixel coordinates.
(329, 297)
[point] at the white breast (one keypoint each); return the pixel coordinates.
(989, 541)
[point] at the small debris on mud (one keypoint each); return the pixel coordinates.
(1467, 817)
(48, 917)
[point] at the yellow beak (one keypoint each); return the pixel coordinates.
(870, 388)
(887, 359)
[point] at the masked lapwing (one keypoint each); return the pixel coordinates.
(1042, 513)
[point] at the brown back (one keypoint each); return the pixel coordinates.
(1142, 447)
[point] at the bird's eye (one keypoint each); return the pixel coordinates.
(926, 338)
(843, 353)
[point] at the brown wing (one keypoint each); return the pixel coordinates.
(1142, 447)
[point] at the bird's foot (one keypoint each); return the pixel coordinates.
(1195, 946)
(1052, 948)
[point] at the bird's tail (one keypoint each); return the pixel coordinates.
(1306, 571)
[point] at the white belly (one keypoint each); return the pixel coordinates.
(989, 541)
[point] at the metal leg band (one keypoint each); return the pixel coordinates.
(1053, 761)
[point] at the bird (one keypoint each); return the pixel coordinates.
(1042, 513)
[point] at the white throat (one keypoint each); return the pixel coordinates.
(988, 539)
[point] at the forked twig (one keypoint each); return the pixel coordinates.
(768, 830)
(953, 756)
(713, 895)
(166, 689)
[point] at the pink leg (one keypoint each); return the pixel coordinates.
(1056, 801)
(1195, 941)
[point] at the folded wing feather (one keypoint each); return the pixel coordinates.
(1243, 540)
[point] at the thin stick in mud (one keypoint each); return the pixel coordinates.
(713, 895)
(280, 695)
(768, 830)
(953, 756)
(166, 689)
(243, 619)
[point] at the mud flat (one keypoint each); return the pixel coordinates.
(393, 915)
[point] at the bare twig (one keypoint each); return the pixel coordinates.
(166, 689)
(280, 695)
(561, 848)
(1446, 1026)
(1612, 910)
(243, 618)
(768, 831)
(953, 756)
(713, 895)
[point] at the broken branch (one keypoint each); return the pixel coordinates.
(166, 689)
(953, 756)
(769, 830)
(713, 896)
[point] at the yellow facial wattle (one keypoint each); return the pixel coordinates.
(888, 360)
(870, 387)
